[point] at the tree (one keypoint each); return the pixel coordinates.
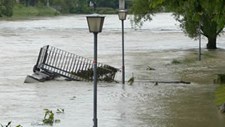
(107, 3)
(29, 2)
(6, 8)
(71, 6)
(208, 15)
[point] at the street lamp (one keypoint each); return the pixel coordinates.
(122, 16)
(199, 37)
(47, 3)
(95, 24)
(121, 4)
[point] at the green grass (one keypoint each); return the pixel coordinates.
(187, 59)
(220, 95)
(23, 12)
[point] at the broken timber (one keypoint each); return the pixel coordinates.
(53, 62)
(167, 82)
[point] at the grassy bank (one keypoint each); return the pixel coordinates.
(22, 12)
(205, 71)
(220, 95)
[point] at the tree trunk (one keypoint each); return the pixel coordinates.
(211, 42)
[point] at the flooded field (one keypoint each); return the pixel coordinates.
(142, 104)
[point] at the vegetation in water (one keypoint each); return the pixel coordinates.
(175, 61)
(188, 59)
(9, 125)
(104, 73)
(49, 117)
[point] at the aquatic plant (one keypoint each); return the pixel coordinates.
(176, 61)
(49, 117)
(104, 73)
(9, 125)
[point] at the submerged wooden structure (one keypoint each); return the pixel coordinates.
(53, 62)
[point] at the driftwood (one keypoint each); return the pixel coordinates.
(183, 82)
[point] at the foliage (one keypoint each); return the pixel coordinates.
(22, 11)
(142, 10)
(72, 6)
(49, 118)
(76, 6)
(107, 3)
(80, 6)
(208, 16)
(106, 10)
(6, 8)
(62, 6)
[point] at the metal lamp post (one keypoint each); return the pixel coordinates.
(95, 24)
(122, 16)
(47, 3)
(199, 37)
(121, 4)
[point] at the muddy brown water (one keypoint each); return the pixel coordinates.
(139, 105)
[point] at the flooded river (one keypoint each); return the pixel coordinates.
(139, 105)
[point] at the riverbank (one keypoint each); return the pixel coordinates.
(220, 95)
(205, 71)
(21, 12)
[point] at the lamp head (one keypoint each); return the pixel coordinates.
(95, 23)
(122, 14)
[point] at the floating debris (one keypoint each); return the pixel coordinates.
(131, 80)
(150, 68)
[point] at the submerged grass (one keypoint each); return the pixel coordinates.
(175, 61)
(188, 59)
(220, 95)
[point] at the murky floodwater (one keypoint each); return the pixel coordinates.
(139, 105)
